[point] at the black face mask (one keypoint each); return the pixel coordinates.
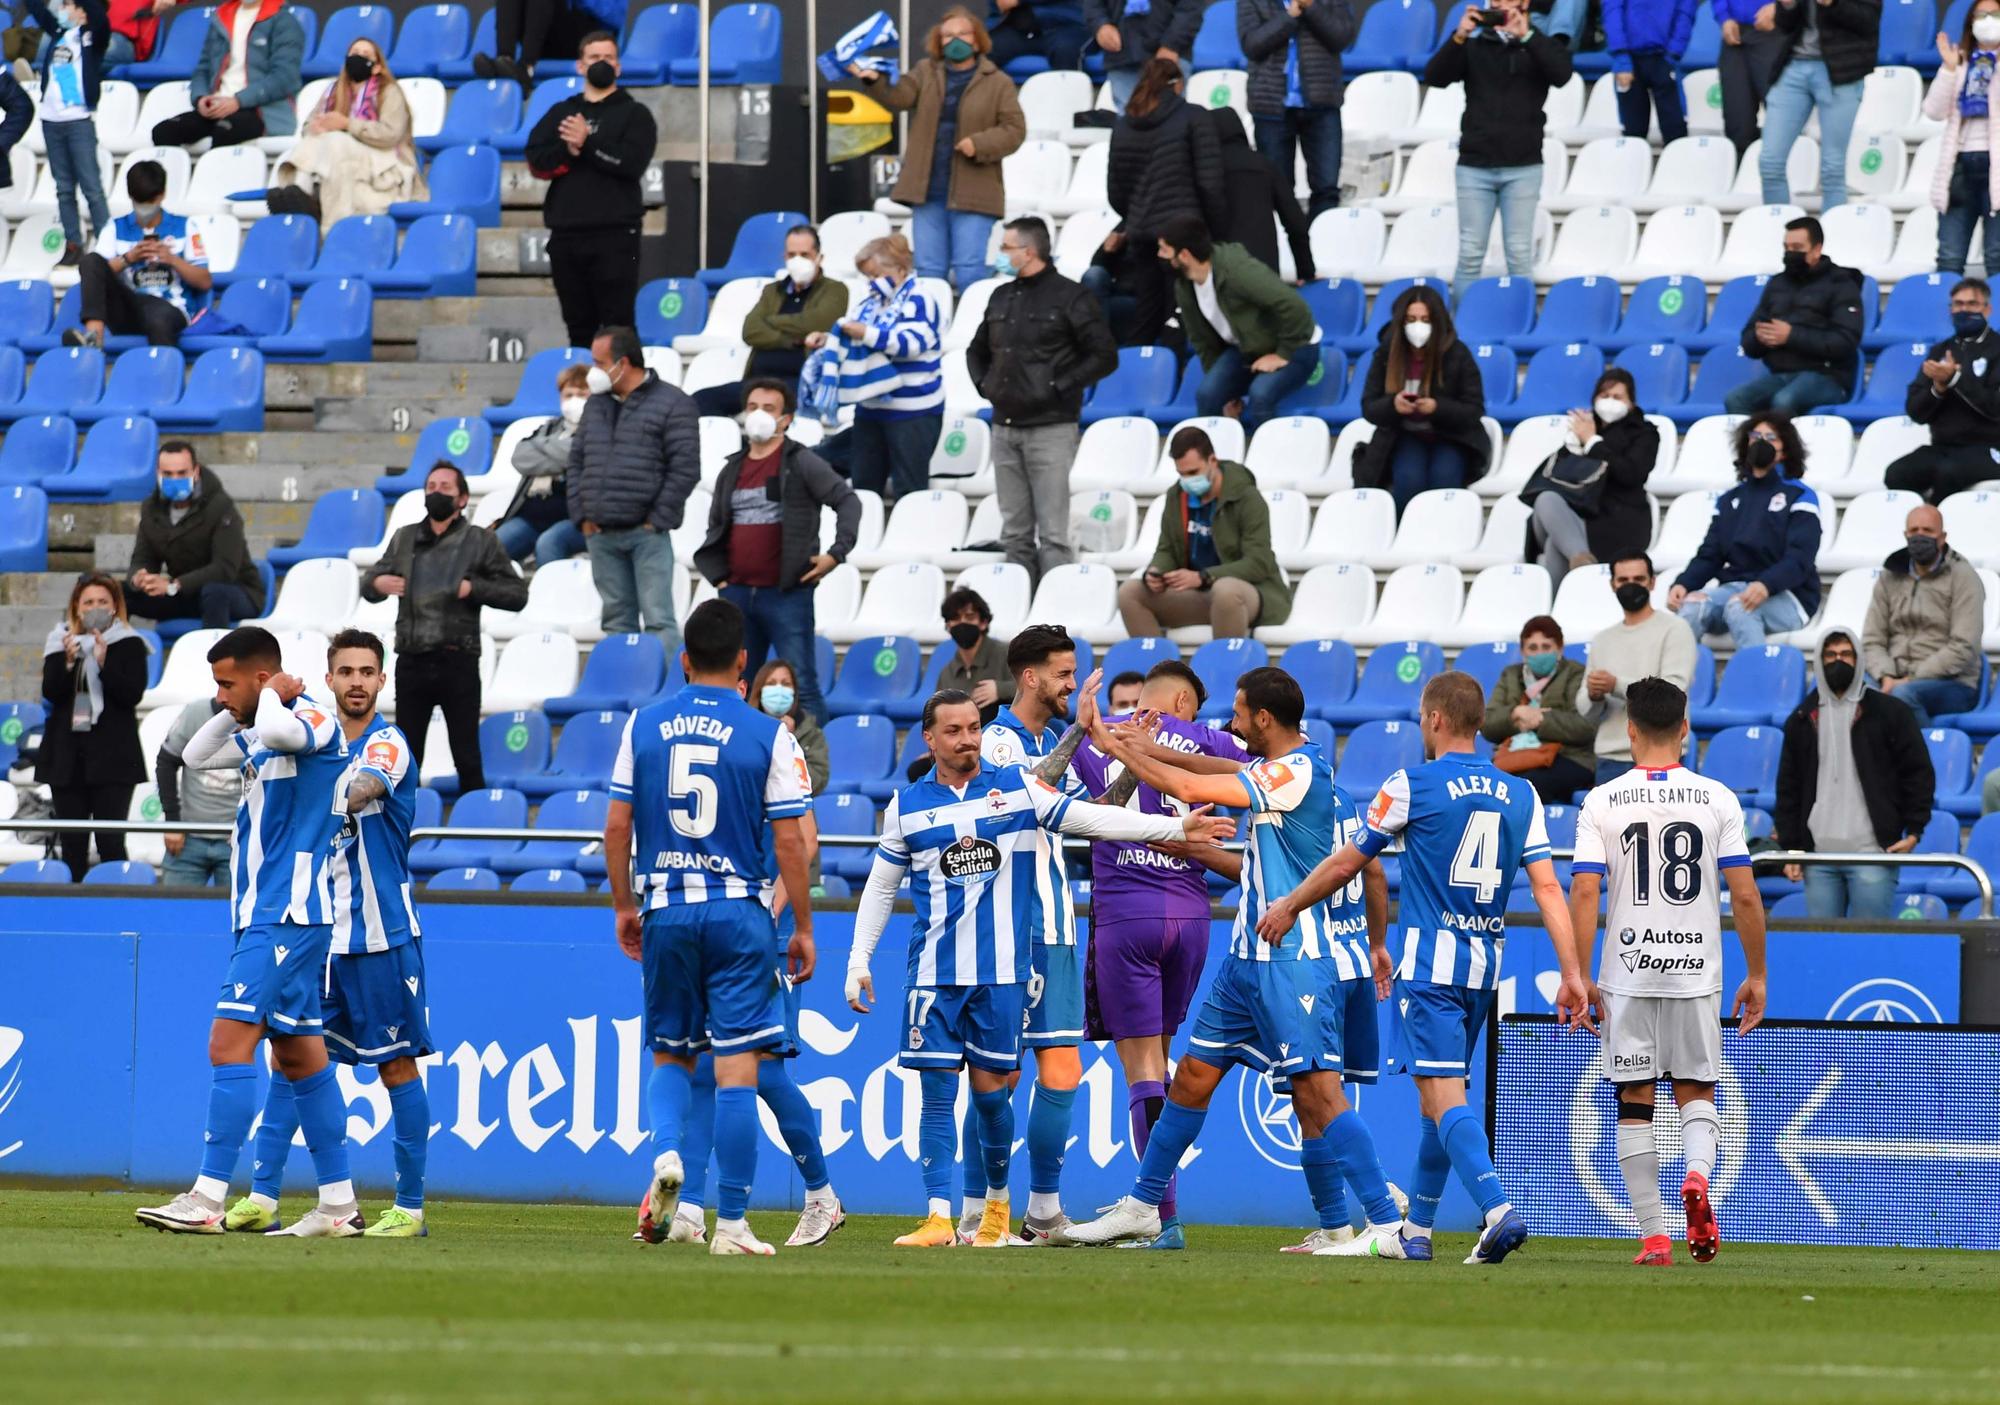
(1632, 596)
(1762, 454)
(440, 506)
(1795, 263)
(601, 75)
(357, 68)
(1839, 676)
(1924, 551)
(966, 636)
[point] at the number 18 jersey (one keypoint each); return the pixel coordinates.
(1661, 837)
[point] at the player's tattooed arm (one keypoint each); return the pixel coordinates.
(363, 791)
(1120, 790)
(1057, 761)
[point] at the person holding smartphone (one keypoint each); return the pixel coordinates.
(147, 269)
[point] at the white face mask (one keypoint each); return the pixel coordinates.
(801, 270)
(1417, 333)
(599, 380)
(760, 426)
(1986, 29)
(572, 408)
(1610, 409)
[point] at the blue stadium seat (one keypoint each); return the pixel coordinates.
(342, 28)
(480, 112)
(439, 259)
(1338, 305)
(276, 246)
(568, 809)
(1888, 384)
(622, 671)
(1576, 309)
(1704, 48)
(142, 382)
(1323, 389)
(1919, 309)
(340, 520)
(1953, 885)
(822, 657)
(1908, 34)
(1497, 310)
(121, 873)
(659, 35)
(116, 465)
(1760, 685)
(875, 672)
(1485, 662)
(670, 306)
(1324, 669)
(24, 528)
(336, 322)
(1720, 372)
(1734, 303)
(845, 813)
(1940, 836)
(18, 721)
(1320, 733)
(585, 753)
(1394, 34)
(1670, 308)
(1219, 663)
(36, 871)
(1559, 379)
(1965, 804)
(514, 145)
(261, 306)
(1375, 751)
(1659, 375)
(1951, 759)
(354, 248)
(464, 180)
(744, 43)
(1181, 405)
(537, 392)
(1390, 684)
(309, 22)
(1701, 687)
(64, 382)
(1498, 369)
(225, 392)
(482, 809)
(512, 746)
(26, 305)
(1138, 655)
(42, 447)
(1144, 380)
(1790, 908)
(1215, 43)
(907, 710)
(462, 440)
(67, 316)
(1362, 343)
(861, 748)
(1746, 760)
(430, 35)
(429, 810)
(758, 248)
(175, 50)
(830, 886)
(458, 71)
(464, 880)
(880, 789)
(1919, 907)
(550, 880)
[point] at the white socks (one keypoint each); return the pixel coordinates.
(1044, 1205)
(823, 1196)
(942, 1206)
(210, 1188)
(1701, 1130)
(337, 1195)
(263, 1201)
(971, 1206)
(1640, 1162)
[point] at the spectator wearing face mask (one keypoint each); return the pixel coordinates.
(792, 317)
(356, 157)
(537, 522)
(146, 271)
(93, 671)
(72, 70)
(1957, 393)
(775, 691)
(189, 557)
(1646, 643)
(1252, 330)
(1806, 330)
(1921, 641)
(1584, 515)
(978, 666)
(1425, 398)
(1533, 720)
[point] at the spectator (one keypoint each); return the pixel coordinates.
(245, 80)
(1960, 96)
(1829, 47)
(1806, 330)
(17, 114)
(135, 26)
(1533, 719)
(1612, 517)
(189, 556)
(1296, 86)
(1259, 201)
(1165, 165)
(1041, 346)
(635, 459)
(1253, 333)
(1508, 70)
(443, 571)
(537, 522)
(1761, 547)
(142, 278)
(1132, 33)
(1122, 694)
(209, 797)
(593, 150)
(1425, 398)
(892, 376)
(1560, 19)
(794, 315)
(1854, 777)
(965, 119)
(1921, 641)
(72, 69)
(775, 690)
(763, 542)
(355, 157)
(1214, 564)
(978, 664)
(93, 671)
(1957, 393)
(1646, 39)
(533, 28)
(1647, 643)
(1044, 29)
(1752, 50)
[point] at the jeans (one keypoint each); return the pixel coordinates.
(778, 621)
(633, 568)
(1849, 890)
(558, 543)
(1788, 392)
(1562, 534)
(1938, 470)
(1719, 613)
(203, 861)
(1510, 191)
(72, 148)
(448, 679)
(887, 456)
(1802, 87)
(1279, 135)
(951, 239)
(1656, 83)
(218, 605)
(1417, 466)
(1231, 378)
(1968, 205)
(1124, 80)
(1935, 697)
(1120, 306)
(1564, 18)
(1031, 477)
(123, 309)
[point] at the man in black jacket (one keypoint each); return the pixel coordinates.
(635, 459)
(1806, 330)
(1129, 33)
(593, 150)
(1508, 70)
(189, 558)
(1830, 50)
(763, 542)
(1854, 777)
(1957, 393)
(1041, 345)
(443, 570)
(1296, 85)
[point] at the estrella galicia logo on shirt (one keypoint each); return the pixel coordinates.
(970, 861)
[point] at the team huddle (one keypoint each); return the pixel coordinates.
(709, 846)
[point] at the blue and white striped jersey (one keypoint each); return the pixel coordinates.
(1298, 817)
(1467, 830)
(370, 870)
(1007, 742)
(705, 774)
(287, 823)
(904, 376)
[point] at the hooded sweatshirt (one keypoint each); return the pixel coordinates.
(1839, 818)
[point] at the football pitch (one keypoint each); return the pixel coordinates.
(555, 1302)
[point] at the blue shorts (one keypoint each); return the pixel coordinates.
(946, 1025)
(375, 1006)
(710, 980)
(1438, 1028)
(1054, 1015)
(1280, 1017)
(275, 977)
(1360, 1036)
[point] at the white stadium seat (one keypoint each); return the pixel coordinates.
(1423, 243)
(1972, 521)
(1350, 526)
(1801, 175)
(1756, 241)
(1050, 100)
(303, 652)
(1829, 446)
(221, 173)
(1291, 519)
(1035, 173)
(1592, 241)
(1916, 248)
(1085, 598)
(1104, 523)
(963, 458)
(1144, 542)
(721, 436)
(1348, 242)
(1584, 603)
(1681, 532)
(1706, 461)
(1436, 526)
(1440, 116)
(971, 312)
(1600, 115)
(1500, 598)
(842, 235)
(664, 362)
(1532, 441)
(531, 669)
(1007, 591)
(312, 594)
(717, 365)
(1701, 99)
(900, 599)
(407, 508)
(562, 597)
(982, 539)
(1083, 234)
(186, 676)
(1866, 234)
(1846, 603)
(1117, 453)
(921, 526)
(1505, 537)
(1379, 105)
(961, 396)
(1562, 110)
(836, 600)
(1608, 171)
(1875, 166)
(1882, 443)
(1915, 190)
(1221, 87)
(1870, 528)
(1328, 602)
(1417, 602)
(1676, 240)
(869, 532)
(724, 328)
(1087, 187)
(1291, 453)
(1690, 169)
(1429, 178)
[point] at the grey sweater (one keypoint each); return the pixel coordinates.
(1660, 646)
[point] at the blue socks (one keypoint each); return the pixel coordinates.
(1427, 1182)
(410, 1121)
(698, 1134)
(1172, 1135)
(668, 1093)
(970, 1150)
(735, 1150)
(232, 1106)
(409, 1118)
(1352, 1145)
(935, 1133)
(1322, 1167)
(274, 1138)
(1048, 1138)
(1465, 1143)
(323, 1118)
(796, 1123)
(996, 1134)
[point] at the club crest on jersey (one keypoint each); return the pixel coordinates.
(916, 1038)
(996, 801)
(1656, 775)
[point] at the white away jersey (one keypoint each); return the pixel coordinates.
(1661, 838)
(370, 869)
(1006, 742)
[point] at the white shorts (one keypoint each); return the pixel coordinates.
(1650, 1037)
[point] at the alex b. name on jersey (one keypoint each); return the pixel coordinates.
(1661, 952)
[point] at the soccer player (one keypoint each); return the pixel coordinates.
(1665, 840)
(698, 777)
(968, 834)
(1467, 830)
(292, 755)
(376, 1002)
(1276, 1007)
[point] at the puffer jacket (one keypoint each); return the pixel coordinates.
(633, 463)
(429, 615)
(1041, 345)
(1925, 626)
(1824, 310)
(1267, 31)
(1166, 164)
(1850, 33)
(1941, 105)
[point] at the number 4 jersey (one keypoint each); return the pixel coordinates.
(1660, 838)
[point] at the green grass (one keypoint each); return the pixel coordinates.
(554, 1302)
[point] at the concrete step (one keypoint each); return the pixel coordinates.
(300, 387)
(42, 590)
(502, 342)
(75, 526)
(30, 624)
(309, 451)
(21, 671)
(374, 414)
